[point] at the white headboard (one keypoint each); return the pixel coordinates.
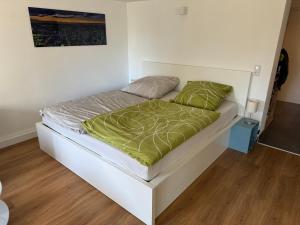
(240, 80)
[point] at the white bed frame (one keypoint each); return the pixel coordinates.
(147, 200)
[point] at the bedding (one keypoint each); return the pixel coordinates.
(203, 94)
(70, 114)
(152, 87)
(228, 111)
(149, 130)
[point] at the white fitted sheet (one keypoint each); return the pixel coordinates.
(228, 110)
(72, 113)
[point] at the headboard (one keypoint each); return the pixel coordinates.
(240, 80)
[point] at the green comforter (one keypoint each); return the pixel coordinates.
(148, 131)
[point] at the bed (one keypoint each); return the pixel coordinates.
(126, 181)
(228, 110)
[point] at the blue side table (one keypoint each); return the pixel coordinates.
(243, 135)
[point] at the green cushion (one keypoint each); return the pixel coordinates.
(203, 94)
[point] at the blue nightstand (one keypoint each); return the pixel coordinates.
(243, 135)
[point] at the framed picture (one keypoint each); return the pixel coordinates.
(51, 27)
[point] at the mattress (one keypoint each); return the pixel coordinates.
(228, 112)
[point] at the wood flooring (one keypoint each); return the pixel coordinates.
(261, 188)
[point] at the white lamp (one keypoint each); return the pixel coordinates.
(4, 212)
(252, 107)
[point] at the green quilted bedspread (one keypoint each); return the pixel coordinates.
(150, 130)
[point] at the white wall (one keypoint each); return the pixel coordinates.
(33, 77)
(276, 60)
(291, 89)
(234, 34)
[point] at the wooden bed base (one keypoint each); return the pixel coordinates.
(145, 200)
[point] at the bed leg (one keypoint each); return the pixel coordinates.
(153, 206)
(150, 219)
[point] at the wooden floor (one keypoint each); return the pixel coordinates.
(262, 188)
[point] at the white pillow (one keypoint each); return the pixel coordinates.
(152, 87)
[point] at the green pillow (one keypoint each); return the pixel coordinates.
(203, 94)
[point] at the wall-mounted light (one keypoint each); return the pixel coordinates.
(257, 70)
(182, 11)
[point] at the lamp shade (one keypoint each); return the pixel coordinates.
(252, 106)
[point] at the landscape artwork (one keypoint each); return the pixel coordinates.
(52, 28)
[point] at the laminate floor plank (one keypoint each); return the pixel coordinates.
(261, 188)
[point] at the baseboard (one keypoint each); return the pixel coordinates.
(279, 149)
(18, 137)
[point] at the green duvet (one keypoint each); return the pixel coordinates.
(150, 130)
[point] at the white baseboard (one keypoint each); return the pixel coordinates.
(18, 137)
(279, 149)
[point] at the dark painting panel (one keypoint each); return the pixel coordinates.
(52, 27)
